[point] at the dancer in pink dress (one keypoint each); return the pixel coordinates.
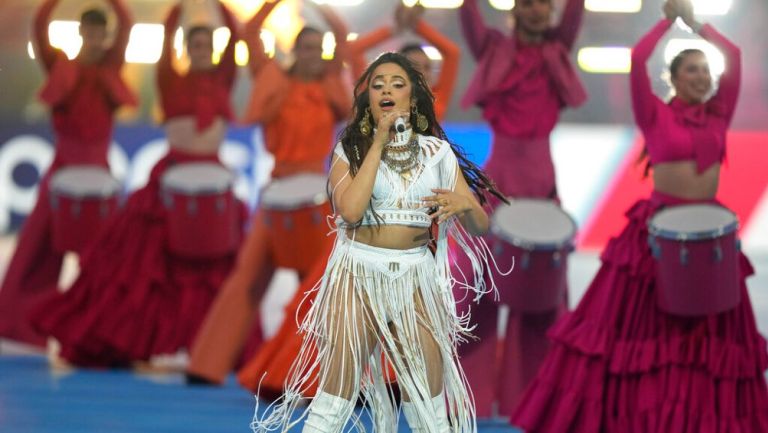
(522, 82)
(620, 364)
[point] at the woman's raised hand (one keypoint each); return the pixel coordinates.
(685, 11)
(671, 9)
(407, 17)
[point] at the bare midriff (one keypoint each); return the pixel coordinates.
(183, 135)
(395, 237)
(682, 179)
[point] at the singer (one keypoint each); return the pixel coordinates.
(385, 295)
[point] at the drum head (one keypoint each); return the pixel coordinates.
(293, 192)
(693, 222)
(533, 224)
(197, 178)
(82, 181)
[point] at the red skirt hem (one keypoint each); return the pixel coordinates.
(133, 299)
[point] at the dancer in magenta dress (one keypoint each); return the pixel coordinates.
(618, 363)
(521, 83)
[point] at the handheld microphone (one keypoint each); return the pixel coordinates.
(400, 125)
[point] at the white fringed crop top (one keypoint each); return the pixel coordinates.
(396, 199)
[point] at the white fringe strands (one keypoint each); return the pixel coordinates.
(377, 307)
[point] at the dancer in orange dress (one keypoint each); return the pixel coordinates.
(298, 109)
(134, 298)
(83, 94)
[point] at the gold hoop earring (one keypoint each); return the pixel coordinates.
(421, 120)
(365, 122)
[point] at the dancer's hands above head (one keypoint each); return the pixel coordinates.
(670, 9)
(406, 17)
(685, 11)
(682, 9)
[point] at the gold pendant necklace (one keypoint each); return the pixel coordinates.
(402, 159)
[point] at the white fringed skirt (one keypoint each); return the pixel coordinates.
(372, 310)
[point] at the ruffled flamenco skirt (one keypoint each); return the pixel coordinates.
(618, 364)
(133, 299)
(34, 269)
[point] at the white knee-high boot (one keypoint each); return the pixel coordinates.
(327, 414)
(435, 421)
(441, 413)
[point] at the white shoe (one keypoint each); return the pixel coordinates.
(434, 421)
(327, 414)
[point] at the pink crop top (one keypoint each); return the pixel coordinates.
(677, 131)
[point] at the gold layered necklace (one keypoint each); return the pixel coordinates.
(402, 158)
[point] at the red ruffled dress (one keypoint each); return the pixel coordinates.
(133, 299)
(83, 99)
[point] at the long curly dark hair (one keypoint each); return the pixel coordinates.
(356, 144)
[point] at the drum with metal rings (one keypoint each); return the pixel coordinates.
(82, 198)
(697, 259)
(295, 209)
(203, 213)
(538, 235)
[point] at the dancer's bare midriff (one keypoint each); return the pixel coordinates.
(682, 179)
(182, 134)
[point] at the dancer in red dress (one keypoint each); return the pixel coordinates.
(298, 109)
(134, 299)
(618, 363)
(521, 83)
(83, 94)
